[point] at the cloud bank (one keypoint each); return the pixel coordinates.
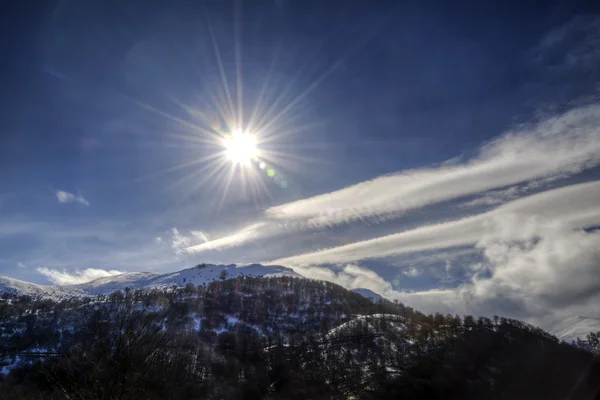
(572, 206)
(78, 276)
(558, 147)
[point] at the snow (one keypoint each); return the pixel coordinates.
(394, 321)
(571, 328)
(369, 294)
(144, 280)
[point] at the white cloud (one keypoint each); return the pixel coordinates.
(411, 272)
(243, 236)
(572, 206)
(179, 242)
(556, 276)
(351, 276)
(21, 265)
(557, 147)
(494, 197)
(66, 197)
(78, 276)
(200, 235)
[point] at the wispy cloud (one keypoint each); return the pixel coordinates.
(201, 235)
(573, 206)
(179, 242)
(66, 197)
(351, 276)
(78, 276)
(412, 272)
(240, 237)
(557, 147)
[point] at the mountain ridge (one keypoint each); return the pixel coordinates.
(568, 329)
(201, 274)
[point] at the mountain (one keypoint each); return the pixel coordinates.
(201, 274)
(572, 328)
(269, 336)
(369, 294)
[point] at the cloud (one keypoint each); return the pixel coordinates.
(494, 197)
(200, 235)
(555, 276)
(560, 269)
(243, 236)
(66, 197)
(78, 276)
(411, 272)
(179, 242)
(557, 147)
(573, 206)
(78, 244)
(21, 265)
(350, 276)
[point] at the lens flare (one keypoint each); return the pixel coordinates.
(240, 147)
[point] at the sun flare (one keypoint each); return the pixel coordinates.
(240, 147)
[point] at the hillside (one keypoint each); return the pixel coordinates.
(273, 338)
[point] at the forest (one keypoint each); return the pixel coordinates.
(277, 338)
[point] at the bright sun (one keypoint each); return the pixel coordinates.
(240, 147)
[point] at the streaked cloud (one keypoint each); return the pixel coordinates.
(240, 237)
(200, 235)
(351, 276)
(78, 276)
(572, 206)
(557, 147)
(66, 197)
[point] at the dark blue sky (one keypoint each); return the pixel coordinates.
(108, 110)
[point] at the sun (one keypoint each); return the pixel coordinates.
(240, 147)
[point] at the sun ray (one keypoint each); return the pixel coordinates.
(238, 63)
(238, 154)
(227, 183)
(263, 90)
(177, 167)
(222, 73)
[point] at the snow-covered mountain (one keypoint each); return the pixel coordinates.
(199, 275)
(571, 328)
(369, 294)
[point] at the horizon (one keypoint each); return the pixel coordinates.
(447, 156)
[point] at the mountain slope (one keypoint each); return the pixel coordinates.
(201, 274)
(274, 338)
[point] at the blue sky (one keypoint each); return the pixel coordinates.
(445, 155)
